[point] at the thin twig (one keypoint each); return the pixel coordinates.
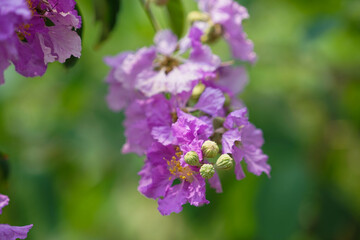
(146, 6)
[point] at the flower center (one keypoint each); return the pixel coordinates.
(166, 62)
(178, 171)
(22, 31)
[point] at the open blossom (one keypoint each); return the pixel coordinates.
(225, 17)
(157, 69)
(182, 110)
(34, 33)
(244, 141)
(8, 232)
(164, 164)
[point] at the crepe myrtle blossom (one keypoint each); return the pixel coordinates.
(151, 119)
(244, 141)
(8, 232)
(157, 69)
(182, 110)
(165, 165)
(224, 18)
(34, 33)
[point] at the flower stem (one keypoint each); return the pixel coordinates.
(146, 6)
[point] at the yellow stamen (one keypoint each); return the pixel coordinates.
(178, 171)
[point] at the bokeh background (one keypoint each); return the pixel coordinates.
(68, 177)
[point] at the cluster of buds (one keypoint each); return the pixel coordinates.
(182, 110)
(209, 150)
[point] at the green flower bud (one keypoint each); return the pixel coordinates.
(192, 158)
(212, 34)
(196, 16)
(227, 100)
(207, 171)
(197, 91)
(224, 162)
(210, 149)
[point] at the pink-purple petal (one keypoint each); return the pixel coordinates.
(8, 232)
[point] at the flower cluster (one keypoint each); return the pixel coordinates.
(34, 33)
(8, 232)
(182, 110)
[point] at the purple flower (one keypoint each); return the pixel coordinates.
(8, 232)
(229, 14)
(211, 102)
(230, 80)
(12, 13)
(164, 164)
(244, 141)
(149, 118)
(158, 69)
(36, 32)
(121, 79)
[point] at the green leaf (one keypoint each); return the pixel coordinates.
(106, 12)
(4, 167)
(70, 62)
(176, 14)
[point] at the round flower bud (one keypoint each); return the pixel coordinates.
(227, 100)
(196, 16)
(197, 91)
(210, 149)
(161, 2)
(207, 171)
(213, 33)
(192, 158)
(224, 162)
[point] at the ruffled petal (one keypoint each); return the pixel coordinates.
(4, 201)
(165, 42)
(8, 232)
(175, 197)
(236, 119)
(211, 101)
(215, 183)
(228, 140)
(238, 156)
(256, 161)
(197, 191)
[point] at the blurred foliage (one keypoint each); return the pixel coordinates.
(176, 16)
(68, 177)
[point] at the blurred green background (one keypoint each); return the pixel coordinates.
(68, 177)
